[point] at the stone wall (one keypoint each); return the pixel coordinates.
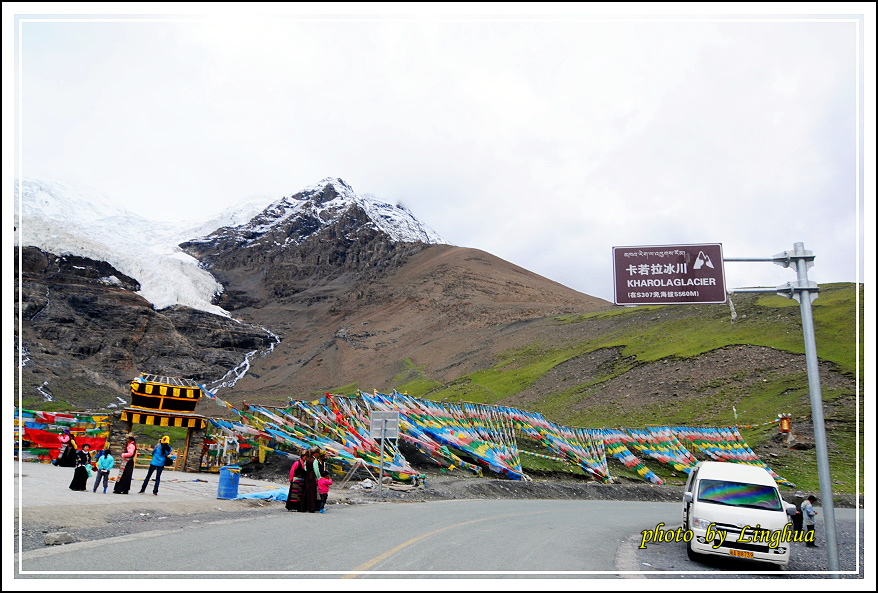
(117, 441)
(193, 459)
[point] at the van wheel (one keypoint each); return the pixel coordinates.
(693, 555)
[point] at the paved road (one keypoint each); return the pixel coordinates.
(485, 537)
(450, 539)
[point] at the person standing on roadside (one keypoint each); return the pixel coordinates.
(67, 457)
(320, 456)
(159, 454)
(808, 515)
(309, 501)
(105, 464)
(123, 483)
(80, 474)
(798, 499)
(323, 485)
(297, 480)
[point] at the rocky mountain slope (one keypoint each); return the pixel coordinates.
(447, 309)
(322, 288)
(354, 290)
(85, 333)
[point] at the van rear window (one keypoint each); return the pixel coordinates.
(736, 494)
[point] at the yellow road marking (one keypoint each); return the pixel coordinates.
(370, 563)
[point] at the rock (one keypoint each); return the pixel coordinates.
(89, 338)
(57, 538)
(797, 442)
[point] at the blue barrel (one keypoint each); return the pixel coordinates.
(229, 476)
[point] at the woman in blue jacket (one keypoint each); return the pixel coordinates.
(157, 465)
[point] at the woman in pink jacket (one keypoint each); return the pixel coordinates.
(123, 484)
(67, 457)
(323, 485)
(297, 481)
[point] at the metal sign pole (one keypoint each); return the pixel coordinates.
(381, 466)
(804, 291)
(389, 428)
(803, 262)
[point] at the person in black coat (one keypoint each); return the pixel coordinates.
(123, 483)
(797, 518)
(67, 457)
(80, 474)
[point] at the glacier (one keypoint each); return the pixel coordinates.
(64, 219)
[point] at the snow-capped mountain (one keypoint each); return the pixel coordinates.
(67, 220)
(323, 204)
(324, 287)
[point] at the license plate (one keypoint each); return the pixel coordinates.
(741, 553)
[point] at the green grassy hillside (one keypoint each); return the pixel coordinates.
(652, 335)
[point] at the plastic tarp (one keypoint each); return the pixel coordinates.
(274, 494)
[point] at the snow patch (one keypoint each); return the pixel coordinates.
(47, 395)
(313, 202)
(66, 220)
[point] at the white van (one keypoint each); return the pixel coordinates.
(733, 509)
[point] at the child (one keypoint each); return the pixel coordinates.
(105, 464)
(323, 490)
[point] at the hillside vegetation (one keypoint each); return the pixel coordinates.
(676, 351)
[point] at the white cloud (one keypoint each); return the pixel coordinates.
(543, 141)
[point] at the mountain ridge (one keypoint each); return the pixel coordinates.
(441, 299)
(297, 271)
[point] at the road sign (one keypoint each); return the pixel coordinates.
(384, 424)
(669, 274)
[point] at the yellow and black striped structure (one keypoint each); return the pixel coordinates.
(153, 418)
(165, 394)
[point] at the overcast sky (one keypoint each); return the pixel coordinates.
(544, 140)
